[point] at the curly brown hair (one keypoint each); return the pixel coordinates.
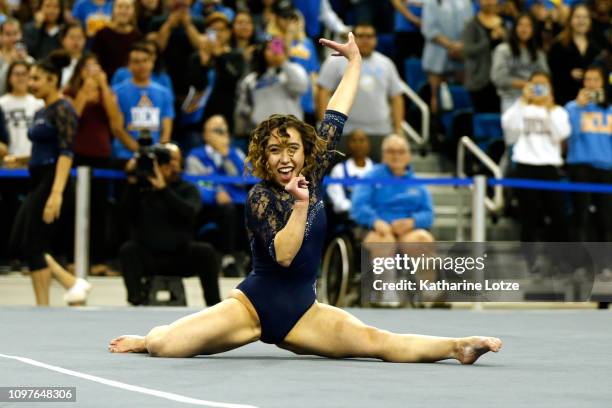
(257, 159)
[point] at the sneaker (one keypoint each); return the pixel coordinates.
(78, 292)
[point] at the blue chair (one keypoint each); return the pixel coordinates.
(460, 114)
(461, 97)
(414, 74)
(386, 44)
(487, 129)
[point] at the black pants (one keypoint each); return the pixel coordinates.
(582, 202)
(230, 234)
(195, 259)
(486, 100)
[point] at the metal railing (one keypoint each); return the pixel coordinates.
(422, 138)
(494, 204)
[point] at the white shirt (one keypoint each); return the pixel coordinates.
(336, 192)
(538, 133)
(18, 113)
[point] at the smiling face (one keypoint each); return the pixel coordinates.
(51, 9)
(41, 83)
(396, 154)
(581, 20)
(285, 156)
(123, 12)
(19, 79)
(524, 29)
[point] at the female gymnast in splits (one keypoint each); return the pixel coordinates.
(276, 303)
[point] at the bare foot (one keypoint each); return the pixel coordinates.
(128, 344)
(470, 349)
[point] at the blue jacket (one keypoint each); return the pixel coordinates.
(387, 202)
(205, 161)
(591, 139)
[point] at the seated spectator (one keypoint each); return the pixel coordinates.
(145, 105)
(589, 156)
(538, 126)
(42, 35)
(178, 36)
(572, 52)
(158, 75)
(223, 203)
(289, 26)
(356, 166)
(94, 15)
(442, 27)
(243, 36)
(480, 37)
(393, 212)
(163, 216)
(19, 107)
(409, 41)
(73, 41)
(275, 86)
(515, 61)
(146, 11)
(11, 48)
(214, 72)
(379, 103)
(112, 43)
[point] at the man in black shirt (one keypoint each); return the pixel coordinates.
(162, 218)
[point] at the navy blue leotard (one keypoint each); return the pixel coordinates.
(282, 295)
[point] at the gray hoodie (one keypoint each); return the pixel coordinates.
(506, 67)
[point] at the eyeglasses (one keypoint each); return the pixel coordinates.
(365, 36)
(219, 131)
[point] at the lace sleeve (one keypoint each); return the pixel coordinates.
(330, 130)
(65, 120)
(264, 217)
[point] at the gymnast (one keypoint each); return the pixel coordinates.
(276, 303)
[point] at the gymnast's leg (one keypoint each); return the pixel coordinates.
(222, 327)
(331, 332)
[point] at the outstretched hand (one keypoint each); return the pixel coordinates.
(298, 188)
(349, 50)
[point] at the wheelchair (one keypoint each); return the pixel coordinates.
(340, 279)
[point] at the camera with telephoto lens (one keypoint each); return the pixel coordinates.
(597, 96)
(146, 156)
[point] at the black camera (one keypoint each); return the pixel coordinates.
(146, 156)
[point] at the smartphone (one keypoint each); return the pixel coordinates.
(20, 46)
(212, 35)
(540, 90)
(597, 96)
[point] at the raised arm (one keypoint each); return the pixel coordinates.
(344, 96)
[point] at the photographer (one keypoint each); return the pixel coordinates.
(589, 156)
(163, 209)
(539, 127)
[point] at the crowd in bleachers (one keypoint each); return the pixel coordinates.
(203, 73)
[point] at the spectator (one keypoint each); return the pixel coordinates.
(98, 114)
(275, 86)
(481, 35)
(4, 138)
(223, 204)
(38, 222)
(515, 61)
(215, 70)
(178, 36)
(589, 155)
(356, 166)
(11, 48)
(42, 35)
(289, 25)
(601, 19)
(409, 41)
(379, 104)
(163, 218)
(205, 8)
(243, 35)
(94, 15)
(262, 16)
(158, 75)
(146, 11)
(539, 127)
(550, 17)
(572, 52)
(73, 42)
(393, 212)
(442, 27)
(144, 104)
(112, 43)
(19, 108)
